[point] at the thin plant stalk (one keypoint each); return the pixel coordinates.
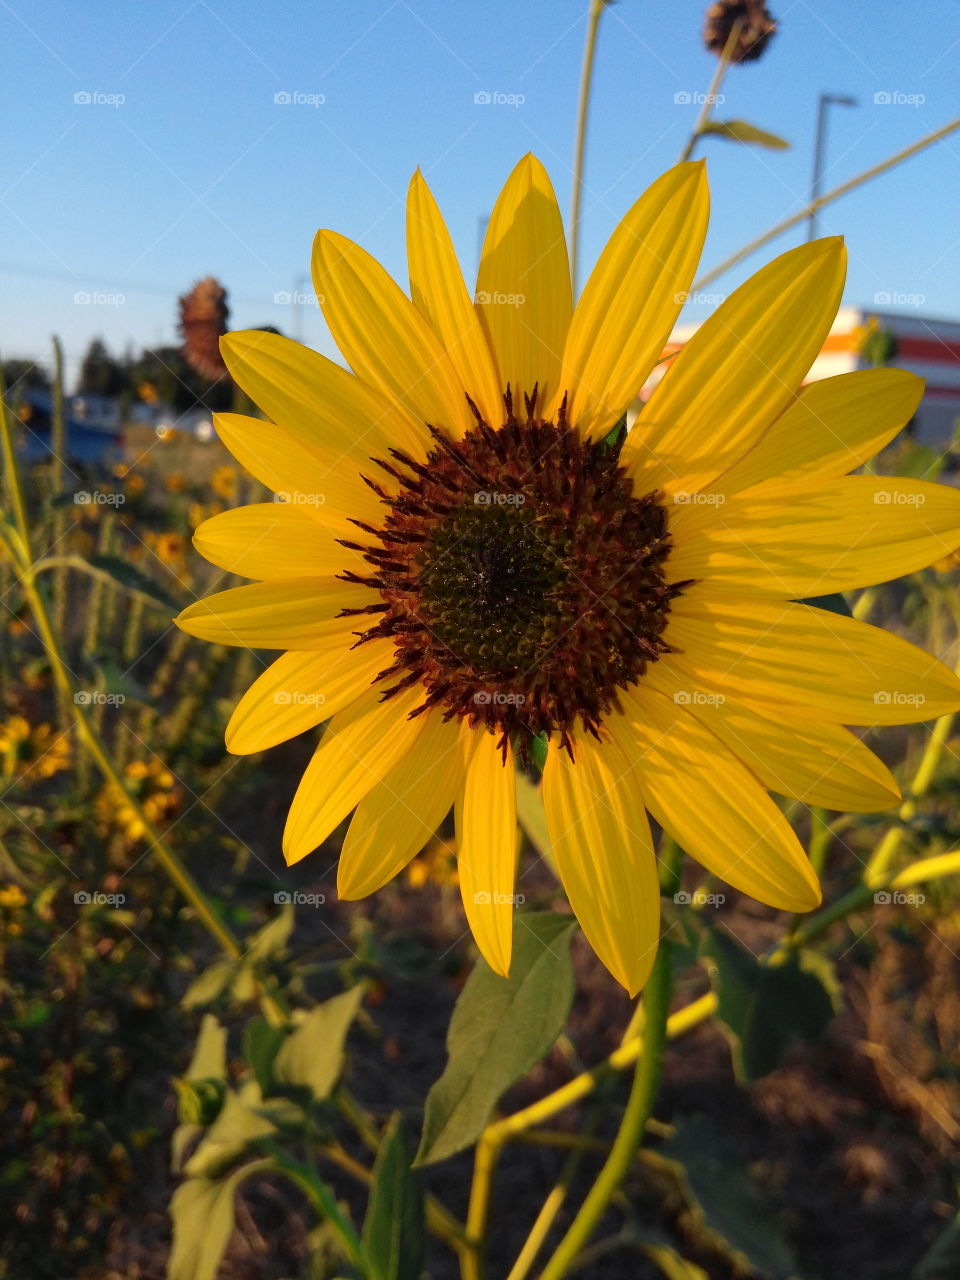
(580, 139)
(710, 98)
(780, 227)
(643, 1092)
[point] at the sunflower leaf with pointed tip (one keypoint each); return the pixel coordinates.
(742, 131)
(202, 1214)
(768, 1008)
(311, 1057)
(501, 1027)
(726, 1203)
(393, 1230)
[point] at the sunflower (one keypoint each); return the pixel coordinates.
(468, 565)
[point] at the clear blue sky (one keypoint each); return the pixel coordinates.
(198, 171)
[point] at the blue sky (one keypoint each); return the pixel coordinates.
(183, 164)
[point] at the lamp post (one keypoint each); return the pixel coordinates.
(826, 101)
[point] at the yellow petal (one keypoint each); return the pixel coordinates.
(487, 842)
(291, 613)
(320, 403)
(738, 372)
(711, 804)
(823, 666)
(387, 341)
(633, 298)
(523, 285)
(395, 820)
(438, 290)
(359, 748)
(833, 427)
(301, 690)
(601, 844)
(324, 484)
(273, 540)
(820, 764)
(811, 537)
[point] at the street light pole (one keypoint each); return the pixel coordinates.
(826, 101)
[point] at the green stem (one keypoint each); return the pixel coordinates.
(710, 98)
(643, 1092)
(580, 141)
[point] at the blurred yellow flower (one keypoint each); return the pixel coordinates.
(509, 577)
(175, 482)
(153, 785)
(224, 482)
(37, 753)
(437, 864)
(12, 897)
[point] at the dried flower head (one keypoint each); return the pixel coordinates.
(203, 321)
(756, 29)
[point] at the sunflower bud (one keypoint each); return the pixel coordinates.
(757, 28)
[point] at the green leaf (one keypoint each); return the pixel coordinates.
(260, 1044)
(501, 1027)
(741, 131)
(393, 1230)
(724, 1199)
(202, 1213)
(110, 679)
(209, 1061)
(311, 1057)
(768, 1008)
(210, 984)
(131, 579)
(835, 602)
(272, 939)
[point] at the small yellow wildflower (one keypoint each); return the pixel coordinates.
(224, 482)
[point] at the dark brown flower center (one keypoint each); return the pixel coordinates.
(521, 581)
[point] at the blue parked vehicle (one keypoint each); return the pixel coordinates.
(93, 433)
